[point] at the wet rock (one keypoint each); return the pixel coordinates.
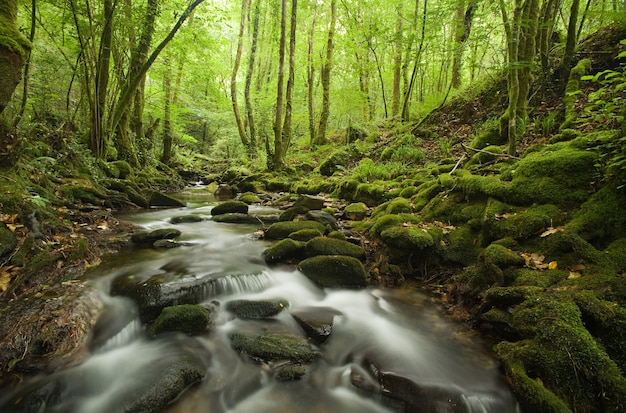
(230, 207)
(237, 218)
(332, 271)
(182, 219)
(331, 246)
(149, 237)
(323, 217)
(155, 293)
(7, 240)
(49, 329)
(118, 313)
(271, 347)
(283, 250)
(356, 211)
(293, 212)
(250, 198)
(280, 230)
(422, 396)
(167, 243)
(291, 372)
(310, 202)
(158, 199)
(186, 318)
(223, 192)
(317, 322)
(252, 309)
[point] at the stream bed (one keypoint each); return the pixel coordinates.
(390, 350)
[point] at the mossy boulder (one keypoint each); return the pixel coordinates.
(502, 220)
(356, 211)
(334, 271)
(292, 212)
(461, 246)
(250, 198)
(186, 318)
(159, 199)
(8, 241)
(323, 217)
(334, 162)
(149, 237)
(602, 218)
(186, 219)
(370, 194)
(253, 309)
(331, 246)
(407, 238)
(284, 250)
(76, 192)
(230, 207)
(379, 224)
(336, 235)
(237, 218)
(305, 235)
(119, 169)
(167, 244)
(270, 347)
(280, 230)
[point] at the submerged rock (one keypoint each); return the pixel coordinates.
(189, 218)
(237, 218)
(158, 199)
(256, 309)
(149, 237)
(333, 271)
(280, 230)
(317, 322)
(230, 207)
(271, 347)
(323, 217)
(332, 246)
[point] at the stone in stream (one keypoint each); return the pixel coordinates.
(252, 309)
(183, 219)
(180, 363)
(280, 230)
(317, 322)
(322, 217)
(230, 207)
(223, 192)
(159, 199)
(237, 218)
(283, 250)
(270, 347)
(332, 246)
(334, 271)
(310, 202)
(149, 237)
(356, 211)
(186, 318)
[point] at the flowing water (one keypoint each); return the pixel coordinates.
(402, 330)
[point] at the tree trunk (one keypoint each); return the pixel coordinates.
(397, 61)
(233, 79)
(286, 138)
(570, 43)
(326, 69)
(310, 78)
(463, 30)
(407, 95)
(167, 115)
(248, 99)
(277, 157)
(13, 50)
(31, 38)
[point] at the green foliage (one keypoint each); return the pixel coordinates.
(367, 170)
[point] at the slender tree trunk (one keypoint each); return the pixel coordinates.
(31, 38)
(546, 29)
(310, 77)
(397, 61)
(287, 133)
(570, 43)
(407, 95)
(11, 57)
(167, 115)
(277, 158)
(233, 79)
(463, 30)
(326, 71)
(248, 99)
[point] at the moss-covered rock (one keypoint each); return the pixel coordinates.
(186, 318)
(280, 230)
(305, 235)
(334, 271)
(385, 221)
(310, 202)
(185, 219)
(370, 194)
(323, 217)
(149, 237)
(270, 347)
(159, 199)
(8, 241)
(253, 309)
(406, 238)
(81, 192)
(356, 211)
(237, 218)
(331, 246)
(230, 207)
(250, 198)
(284, 250)
(502, 220)
(292, 212)
(337, 235)
(461, 246)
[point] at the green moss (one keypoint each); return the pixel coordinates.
(283, 250)
(305, 235)
(389, 220)
(230, 207)
(334, 271)
(269, 347)
(10, 36)
(616, 253)
(81, 193)
(337, 235)
(186, 318)
(79, 250)
(503, 220)
(531, 277)
(489, 135)
(571, 92)
(332, 246)
(148, 237)
(406, 238)
(370, 194)
(8, 241)
(292, 212)
(356, 211)
(280, 230)
(250, 198)
(252, 309)
(462, 247)
(42, 260)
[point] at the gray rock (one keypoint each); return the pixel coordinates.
(317, 322)
(252, 309)
(158, 199)
(230, 207)
(310, 202)
(182, 219)
(149, 237)
(323, 217)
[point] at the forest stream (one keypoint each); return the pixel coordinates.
(386, 350)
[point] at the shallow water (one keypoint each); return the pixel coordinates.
(401, 331)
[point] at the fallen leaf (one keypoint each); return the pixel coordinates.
(551, 230)
(5, 278)
(506, 215)
(103, 225)
(573, 275)
(553, 265)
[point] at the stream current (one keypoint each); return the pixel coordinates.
(404, 331)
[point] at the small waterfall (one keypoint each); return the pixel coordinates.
(237, 284)
(127, 335)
